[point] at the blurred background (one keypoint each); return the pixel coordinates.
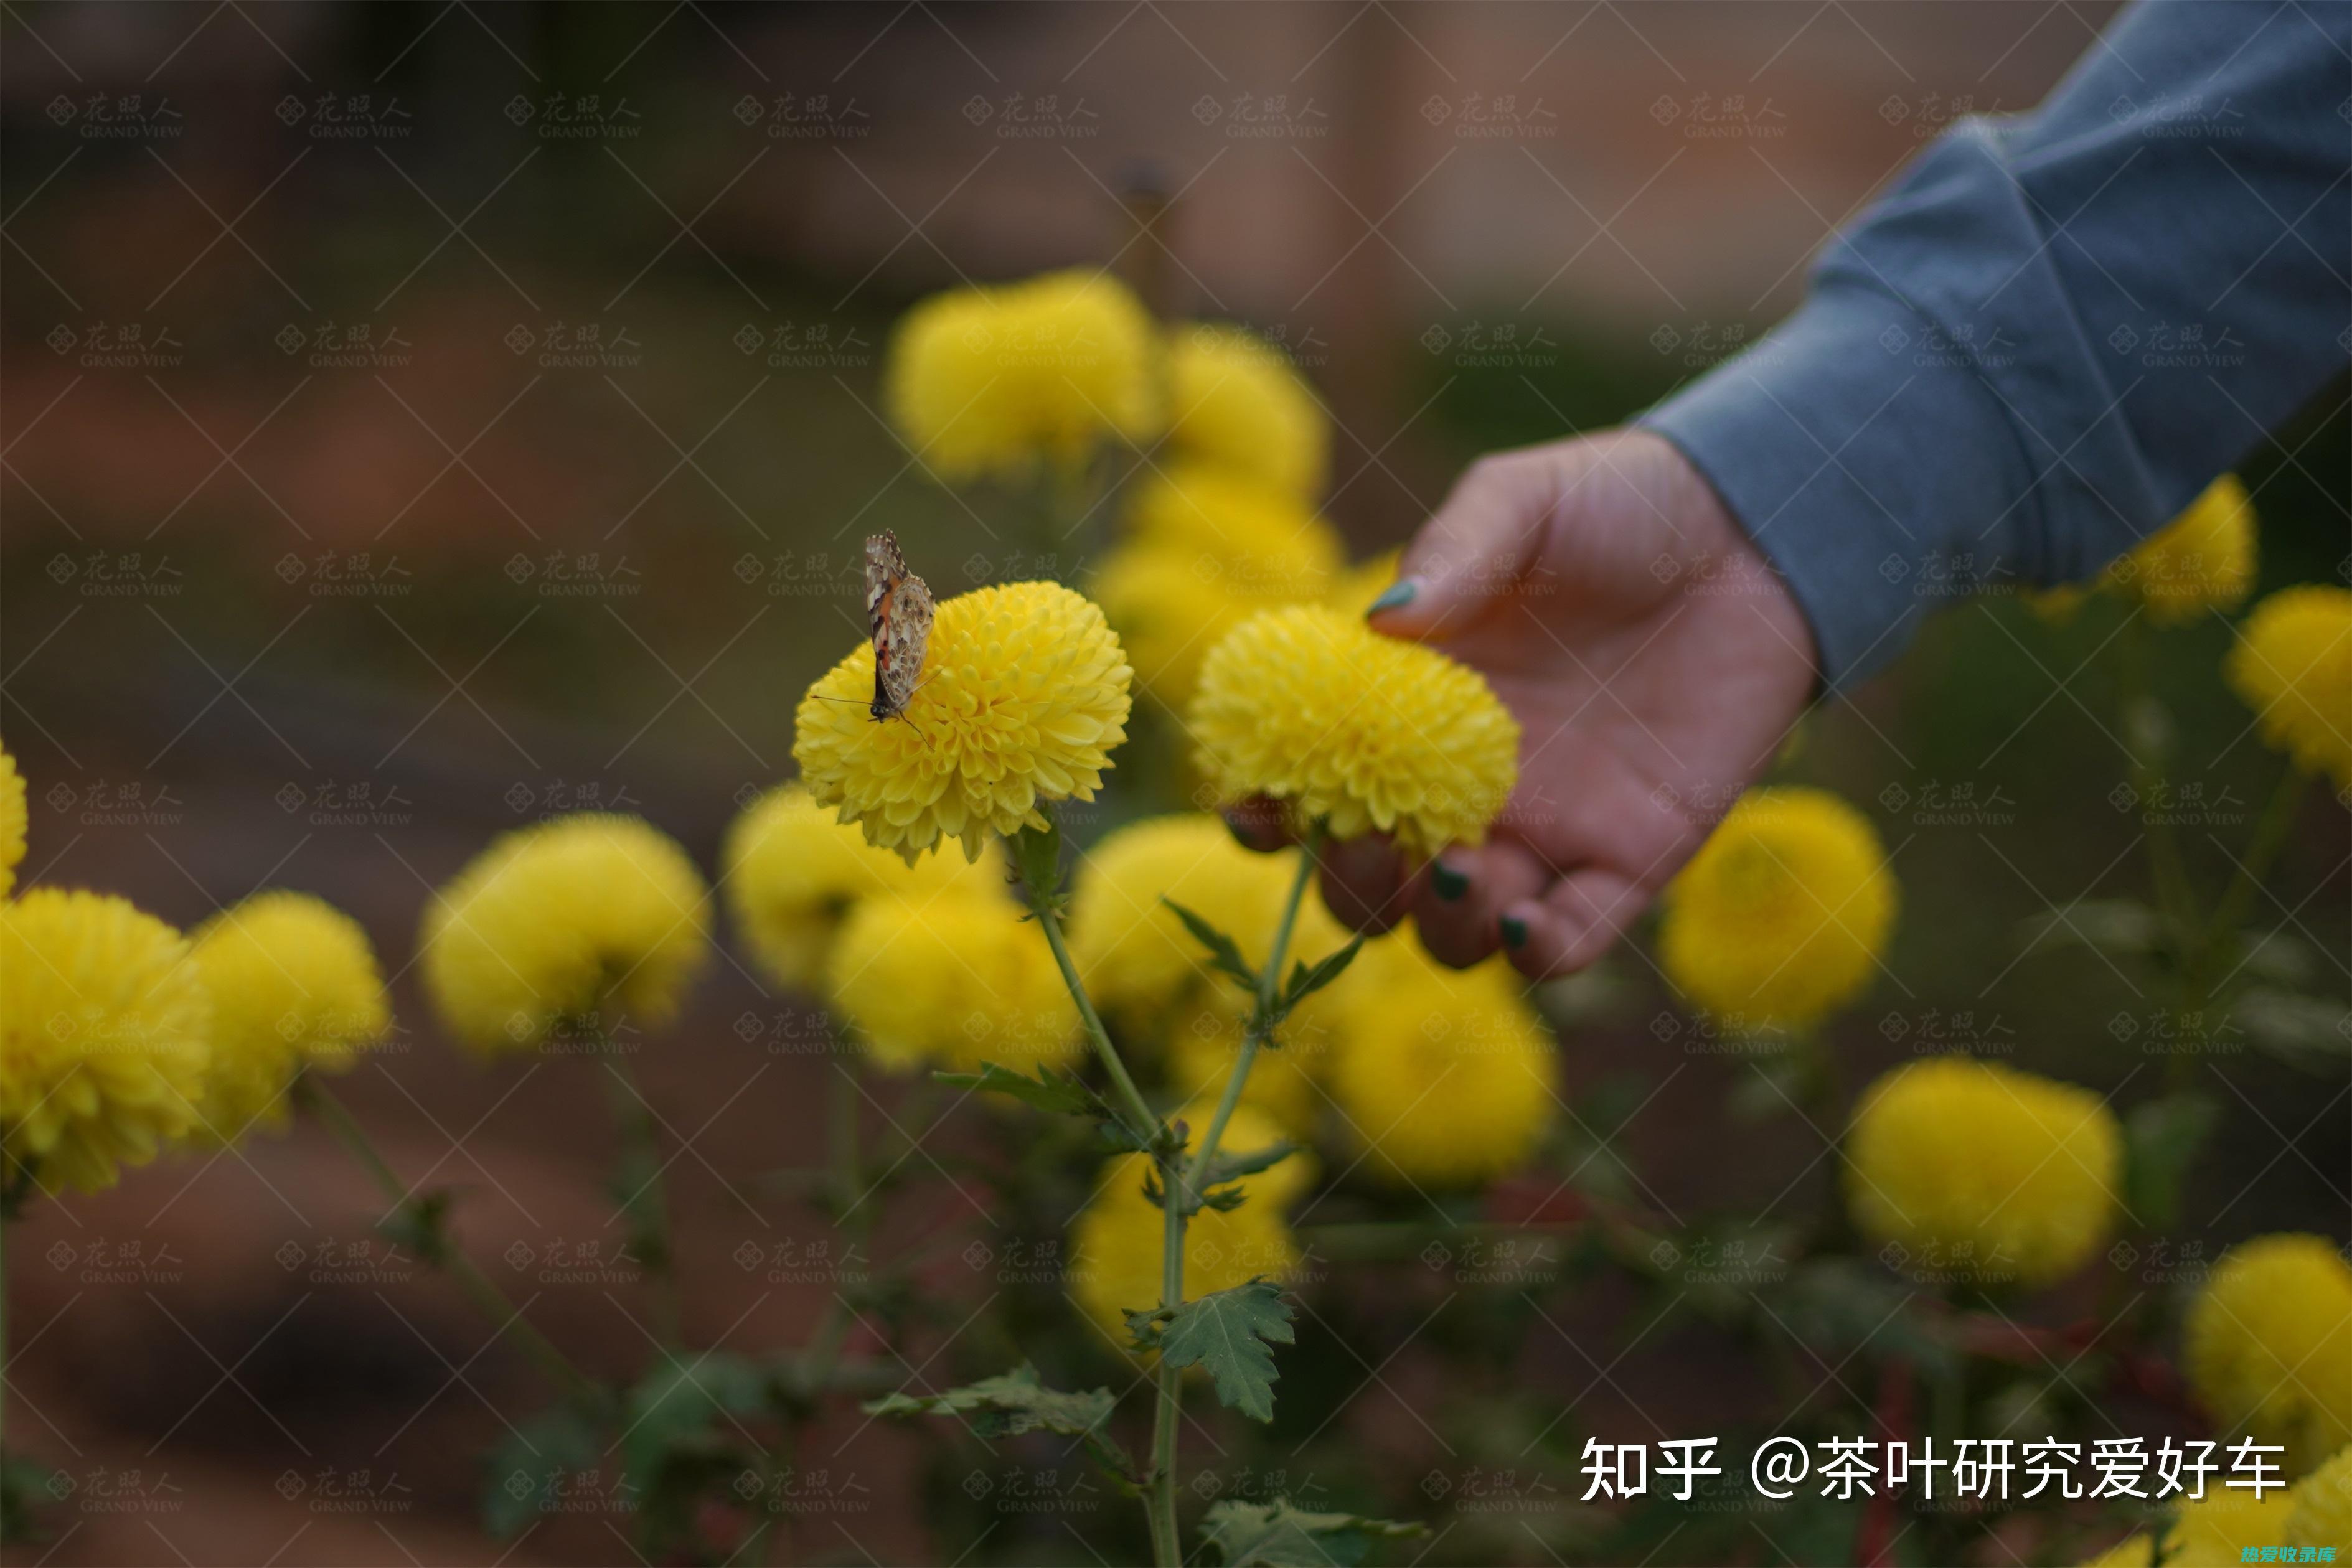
(420, 419)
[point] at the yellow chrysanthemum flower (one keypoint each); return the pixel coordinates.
(1023, 693)
(2216, 1530)
(294, 985)
(794, 871)
(104, 1024)
(13, 820)
(1441, 1077)
(2201, 560)
(1972, 1168)
(1779, 918)
(954, 981)
(1316, 709)
(2293, 665)
(1208, 549)
(1116, 1239)
(2132, 1552)
(2321, 1514)
(1281, 1086)
(1361, 583)
(1139, 965)
(579, 919)
(2268, 1345)
(1235, 402)
(993, 382)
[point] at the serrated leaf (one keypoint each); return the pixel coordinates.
(2310, 1032)
(1232, 1164)
(2161, 1138)
(1050, 1091)
(681, 1400)
(1225, 954)
(1305, 980)
(1015, 1402)
(523, 1472)
(1281, 1535)
(1232, 1334)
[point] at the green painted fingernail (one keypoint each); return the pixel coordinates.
(1515, 931)
(1396, 596)
(1450, 884)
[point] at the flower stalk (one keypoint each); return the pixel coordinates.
(637, 1183)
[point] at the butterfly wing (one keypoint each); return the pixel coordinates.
(899, 608)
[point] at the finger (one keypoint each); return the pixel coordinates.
(1258, 823)
(1579, 919)
(1458, 901)
(1363, 883)
(1479, 543)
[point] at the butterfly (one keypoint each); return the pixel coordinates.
(899, 608)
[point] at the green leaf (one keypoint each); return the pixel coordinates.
(2161, 1139)
(1281, 1535)
(2310, 1032)
(2120, 928)
(1305, 980)
(1015, 1402)
(1232, 1334)
(1232, 1164)
(1225, 954)
(1050, 1091)
(523, 1472)
(681, 1399)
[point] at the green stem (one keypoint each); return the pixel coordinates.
(1143, 1126)
(648, 1204)
(2271, 832)
(491, 1301)
(2166, 863)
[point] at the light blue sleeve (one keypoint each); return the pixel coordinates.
(2055, 332)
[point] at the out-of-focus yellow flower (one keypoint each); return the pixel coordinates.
(2057, 605)
(104, 1027)
(1444, 1078)
(1978, 1170)
(12, 820)
(993, 382)
(2132, 1552)
(954, 981)
(794, 871)
(2293, 665)
(2269, 1345)
(1207, 551)
(1361, 583)
(1779, 917)
(1023, 693)
(2218, 1529)
(1139, 965)
(2321, 1514)
(1236, 402)
(1281, 1087)
(2201, 560)
(294, 985)
(1116, 1241)
(579, 919)
(1316, 709)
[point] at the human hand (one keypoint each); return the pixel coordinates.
(1655, 661)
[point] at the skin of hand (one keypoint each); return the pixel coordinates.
(1654, 659)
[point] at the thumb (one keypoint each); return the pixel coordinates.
(1478, 545)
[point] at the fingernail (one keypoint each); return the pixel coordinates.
(1515, 931)
(1396, 596)
(1450, 884)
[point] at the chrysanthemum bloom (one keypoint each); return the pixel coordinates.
(2293, 665)
(1116, 1240)
(2268, 1345)
(994, 381)
(1281, 1085)
(1443, 1078)
(294, 985)
(1022, 695)
(591, 918)
(2322, 1510)
(1779, 919)
(1234, 401)
(1317, 710)
(1206, 550)
(104, 1036)
(1139, 962)
(2220, 1527)
(794, 871)
(1971, 1169)
(953, 981)
(12, 820)
(2200, 562)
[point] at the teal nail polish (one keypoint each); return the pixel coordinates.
(1396, 596)
(1515, 931)
(1449, 884)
